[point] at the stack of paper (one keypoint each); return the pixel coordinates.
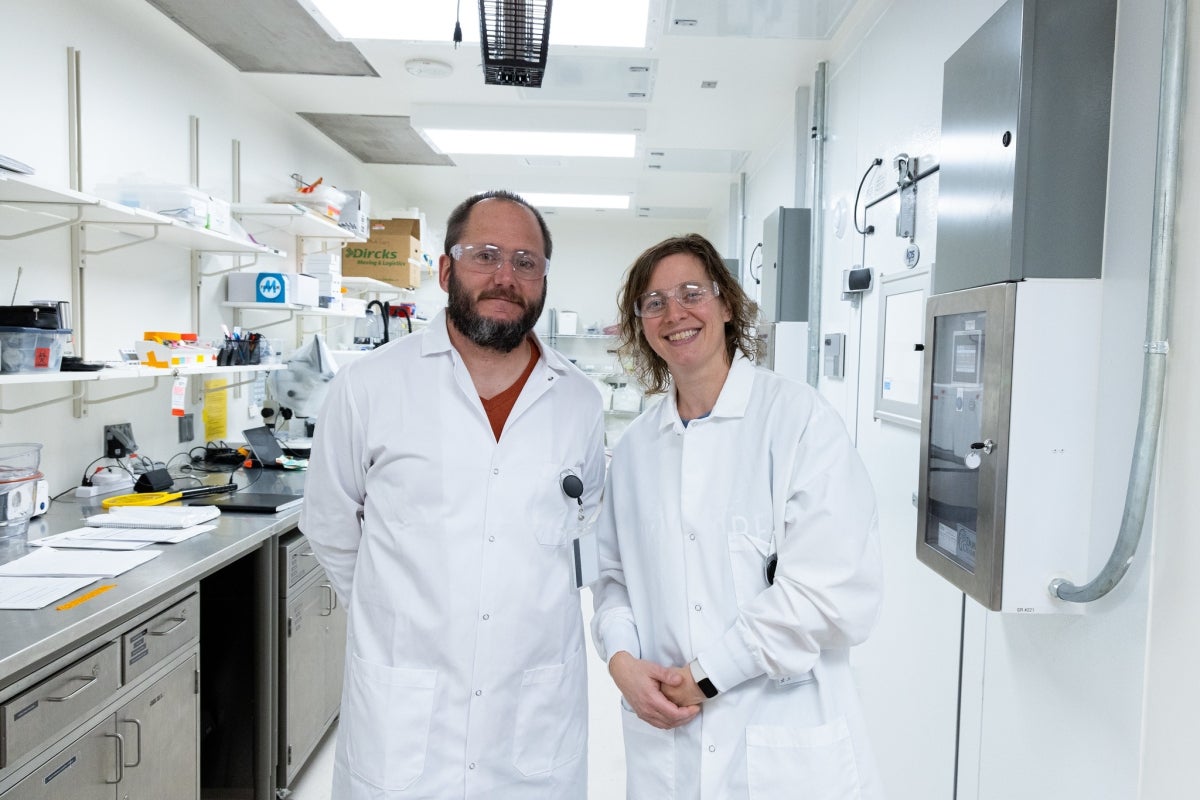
(160, 517)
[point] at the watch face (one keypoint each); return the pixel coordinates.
(707, 687)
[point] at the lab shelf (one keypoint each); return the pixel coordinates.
(289, 218)
(364, 285)
(125, 372)
(300, 311)
(57, 207)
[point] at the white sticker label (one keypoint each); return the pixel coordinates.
(179, 396)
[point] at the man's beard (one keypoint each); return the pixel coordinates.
(501, 335)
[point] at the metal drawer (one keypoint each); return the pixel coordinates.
(297, 562)
(33, 718)
(160, 636)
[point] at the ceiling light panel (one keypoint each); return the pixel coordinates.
(467, 116)
(762, 19)
(569, 200)
(533, 143)
(581, 23)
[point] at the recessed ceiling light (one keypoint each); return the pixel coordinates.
(428, 68)
(569, 200)
(622, 23)
(533, 143)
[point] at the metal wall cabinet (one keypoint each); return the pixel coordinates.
(1024, 153)
(1007, 440)
(312, 634)
(787, 233)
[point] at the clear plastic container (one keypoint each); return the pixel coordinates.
(19, 460)
(32, 349)
(627, 398)
(16, 505)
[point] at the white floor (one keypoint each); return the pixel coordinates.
(606, 753)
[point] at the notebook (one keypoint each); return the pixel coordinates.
(266, 449)
(249, 502)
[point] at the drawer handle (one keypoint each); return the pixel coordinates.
(88, 680)
(307, 554)
(177, 620)
(120, 757)
(138, 729)
(332, 600)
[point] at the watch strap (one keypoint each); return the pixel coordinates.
(701, 678)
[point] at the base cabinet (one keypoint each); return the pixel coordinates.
(160, 731)
(312, 634)
(88, 769)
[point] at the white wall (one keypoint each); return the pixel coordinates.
(142, 78)
(1050, 705)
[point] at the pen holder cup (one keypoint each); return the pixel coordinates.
(239, 352)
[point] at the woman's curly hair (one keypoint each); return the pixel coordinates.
(648, 367)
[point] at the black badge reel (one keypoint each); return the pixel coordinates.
(584, 544)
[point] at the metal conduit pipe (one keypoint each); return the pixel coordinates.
(812, 370)
(1155, 365)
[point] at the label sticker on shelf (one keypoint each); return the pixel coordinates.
(179, 396)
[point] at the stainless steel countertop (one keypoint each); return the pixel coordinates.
(30, 638)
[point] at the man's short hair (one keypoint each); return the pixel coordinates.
(458, 217)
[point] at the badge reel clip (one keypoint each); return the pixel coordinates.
(586, 547)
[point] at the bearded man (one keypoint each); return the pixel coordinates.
(434, 500)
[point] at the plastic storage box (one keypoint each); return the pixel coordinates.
(31, 349)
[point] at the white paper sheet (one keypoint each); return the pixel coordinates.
(119, 538)
(30, 593)
(51, 562)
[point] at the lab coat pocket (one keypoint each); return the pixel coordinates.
(551, 725)
(389, 710)
(649, 758)
(552, 514)
(821, 759)
(747, 561)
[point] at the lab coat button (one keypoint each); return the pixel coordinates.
(712, 748)
(471, 765)
(692, 536)
(697, 606)
(491, 538)
(487, 616)
(478, 692)
(495, 472)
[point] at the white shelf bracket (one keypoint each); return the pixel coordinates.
(60, 224)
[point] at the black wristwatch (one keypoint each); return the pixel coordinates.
(702, 680)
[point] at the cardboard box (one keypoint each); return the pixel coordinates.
(272, 287)
(392, 255)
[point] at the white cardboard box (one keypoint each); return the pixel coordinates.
(272, 287)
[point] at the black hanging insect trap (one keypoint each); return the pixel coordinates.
(514, 37)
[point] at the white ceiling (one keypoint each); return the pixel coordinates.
(699, 137)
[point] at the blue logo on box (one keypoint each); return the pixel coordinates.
(269, 288)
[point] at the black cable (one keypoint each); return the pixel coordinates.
(750, 264)
(875, 162)
(457, 37)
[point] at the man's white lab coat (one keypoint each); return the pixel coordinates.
(465, 668)
(690, 518)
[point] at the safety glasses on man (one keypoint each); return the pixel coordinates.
(687, 295)
(486, 259)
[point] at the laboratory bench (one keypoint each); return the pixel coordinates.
(177, 682)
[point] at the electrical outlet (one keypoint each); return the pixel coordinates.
(118, 440)
(187, 428)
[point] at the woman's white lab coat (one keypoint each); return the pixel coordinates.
(691, 515)
(465, 672)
